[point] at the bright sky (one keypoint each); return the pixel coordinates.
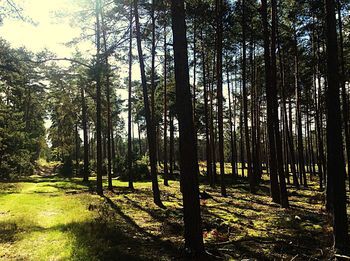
(51, 30)
(53, 27)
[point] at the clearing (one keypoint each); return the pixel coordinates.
(46, 217)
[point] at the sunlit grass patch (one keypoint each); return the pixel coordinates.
(54, 218)
(34, 220)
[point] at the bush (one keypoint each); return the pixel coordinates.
(119, 165)
(140, 172)
(66, 169)
(16, 165)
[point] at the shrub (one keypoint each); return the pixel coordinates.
(66, 169)
(140, 172)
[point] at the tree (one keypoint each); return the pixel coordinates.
(85, 134)
(188, 150)
(245, 100)
(278, 141)
(22, 112)
(270, 124)
(151, 134)
(165, 109)
(131, 186)
(219, 94)
(335, 157)
(99, 186)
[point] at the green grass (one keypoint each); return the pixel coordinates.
(52, 218)
(36, 217)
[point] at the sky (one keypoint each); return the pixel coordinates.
(49, 30)
(53, 26)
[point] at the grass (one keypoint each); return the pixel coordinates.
(35, 215)
(52, 218)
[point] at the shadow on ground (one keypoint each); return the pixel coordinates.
(128, 226)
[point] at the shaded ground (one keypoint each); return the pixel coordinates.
(51, 218)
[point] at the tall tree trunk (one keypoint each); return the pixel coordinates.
(219, 4)
(320, 109)
(108, 90)
(85, 136)
(188, 150)
(113, 149)
(274, 100)
(335, 159)
(258, 165)
(165, 112)
(206, 116)
(194, 75)
(312, 158)
(158, 137)
(153, 76)
(234, 91)
(99, 187)
(245, 102)
(77, 147)
(345, 108)
(140, 141)
(269, 99)
(194, 98)
(151, 135)
(301, 159)
(131, 185)
(212, 135)
(171, 144)
(233, 162)
(241, 133)
(288, 134)
(319, 140)
(255, 122)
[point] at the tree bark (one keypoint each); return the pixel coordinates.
(99, 187)
(131, 185)
(85, 136)
(77, 147)
(245, 102)
(301, 158)
(219, 95)
(335, 157)
(165, 162)
(151, 135)
(274, 100)
(233, 162)
(345, 108)
(206, 116)
(269, 99)
(108, 90)
(188, 150)
(288, 134)
(171, 144)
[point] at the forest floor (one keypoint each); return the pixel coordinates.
(46, 217)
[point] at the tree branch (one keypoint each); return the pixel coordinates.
(60, 59)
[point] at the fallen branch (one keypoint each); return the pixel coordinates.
(342, 256)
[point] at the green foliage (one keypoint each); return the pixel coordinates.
(140, 170)
(66, 169)
(22, 111)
